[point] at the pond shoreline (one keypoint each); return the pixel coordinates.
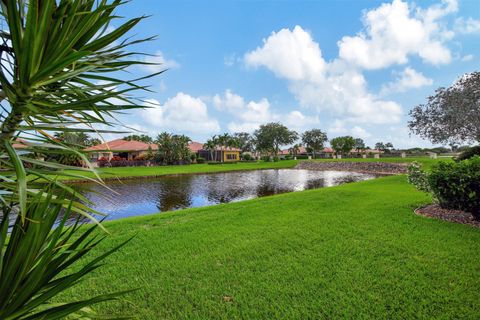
(109, 179)
(361, 167)
(385, 168)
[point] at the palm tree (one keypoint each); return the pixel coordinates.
(58, 73)
(211, 145)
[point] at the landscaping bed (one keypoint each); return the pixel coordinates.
(458, 216)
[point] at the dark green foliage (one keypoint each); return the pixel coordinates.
(172, 148)
(457, 185)
(142, 138)
(200, 160)
(35, 256)
(247, 156)
(342, 145)
(469, 153)
(271, 136)
(451, 115)
(314, 140)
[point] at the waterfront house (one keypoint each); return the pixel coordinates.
(127, 150)
(221, 154)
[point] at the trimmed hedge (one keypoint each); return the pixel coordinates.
(469, 153)
(455, 185)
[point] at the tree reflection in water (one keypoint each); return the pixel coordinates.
(144, 196)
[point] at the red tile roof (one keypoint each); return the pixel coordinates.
(195, 146)
(123, 145)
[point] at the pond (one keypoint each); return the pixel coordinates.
(144, 196)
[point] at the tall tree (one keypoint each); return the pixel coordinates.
(451, 115)
(271, 136)
(244, 141)
(359, 144)
(60, 69)
(314, 139)
(389, 146)
(342, 145)
(380, 146)
(295, 149)
(211, 145)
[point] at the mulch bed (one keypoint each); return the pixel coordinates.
(458, 216)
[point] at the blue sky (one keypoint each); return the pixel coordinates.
(347, 67)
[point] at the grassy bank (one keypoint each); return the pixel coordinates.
(122, 172)
(353, 251)
(425, 161)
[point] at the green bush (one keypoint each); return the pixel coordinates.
(469, 153)
(301, 157)
(247, 156)
(455, 185)
(200, 160)
(266, 158)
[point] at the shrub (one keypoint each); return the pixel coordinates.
(469, 153)
(266, 158)
(418, 177)
(301, 157)
(276, 159)
(247, 156)
(455, 185)
(200, 160)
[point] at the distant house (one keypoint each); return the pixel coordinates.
(221, 154)
(302, 151)
(124, 149)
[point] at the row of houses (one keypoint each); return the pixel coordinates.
(130, 150)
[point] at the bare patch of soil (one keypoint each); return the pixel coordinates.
(458, 216)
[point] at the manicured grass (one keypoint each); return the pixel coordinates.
(425, 161)
(354, 251)
(193, 168)
(206, 168)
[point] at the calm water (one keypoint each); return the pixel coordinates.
(145, 196)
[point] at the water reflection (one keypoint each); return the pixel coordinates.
(144, 196)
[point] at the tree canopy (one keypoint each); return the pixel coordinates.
(359, 144)
(271, 136)
(451, 115)
(172, 148)
(314, 139)
(139, 137)
(342, 145)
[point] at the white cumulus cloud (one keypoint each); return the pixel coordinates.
(407, 79)
(335, 87)
(249, 116)
(181, 113)
(230, 101)
(394, 31)
(467, 26)
(296, 47)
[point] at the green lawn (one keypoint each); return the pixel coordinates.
(425, 161)
(354, 251)
(194, 168)
(206, 168)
